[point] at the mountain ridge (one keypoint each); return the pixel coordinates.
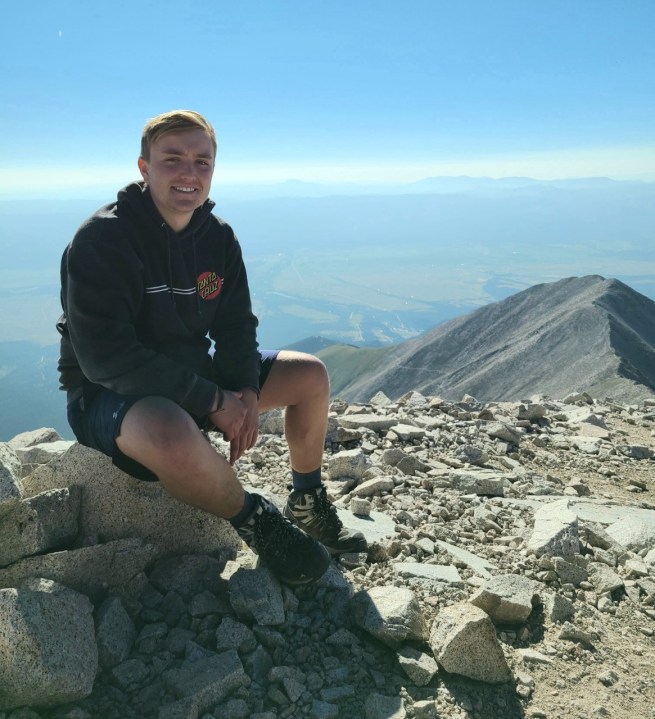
(552, 338)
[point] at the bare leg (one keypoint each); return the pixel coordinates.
(300, 383)
(163, 437)
(160, 435)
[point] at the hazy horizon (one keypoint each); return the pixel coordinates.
(366, 266)
(254, 189)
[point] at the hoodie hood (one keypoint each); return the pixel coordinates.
(136, 199)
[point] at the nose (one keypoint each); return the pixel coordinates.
(186, 168)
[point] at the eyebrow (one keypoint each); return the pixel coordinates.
(176, 151)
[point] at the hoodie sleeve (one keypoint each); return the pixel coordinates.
(102, 290)
(234, 329)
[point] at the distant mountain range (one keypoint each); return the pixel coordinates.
(439, 184)
(581, 333)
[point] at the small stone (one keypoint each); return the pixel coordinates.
(572, 633)
(532, 656)
(323, 710)
(360, 506)
(608, 677)
(523, 691)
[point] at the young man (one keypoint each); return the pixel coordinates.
(149, 284)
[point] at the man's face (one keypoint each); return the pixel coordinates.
(179, 174)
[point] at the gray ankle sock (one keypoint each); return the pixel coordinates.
(245, 512)
(306, 480)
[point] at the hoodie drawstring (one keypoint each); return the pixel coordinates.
(167, 232)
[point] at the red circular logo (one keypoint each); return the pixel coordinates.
(209, 285)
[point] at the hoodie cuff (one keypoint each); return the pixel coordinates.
(256, 390)
(200, 398)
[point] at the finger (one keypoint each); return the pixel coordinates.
(229, 434)
(233, 428)
(234, 450)
(237, 449)
(247, 442)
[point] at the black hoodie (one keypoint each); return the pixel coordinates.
(139, 301)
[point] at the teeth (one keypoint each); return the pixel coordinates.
(185, 189)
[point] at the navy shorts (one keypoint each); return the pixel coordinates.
(98, 426)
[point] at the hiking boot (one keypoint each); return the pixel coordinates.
(313, 512)
(293, 556)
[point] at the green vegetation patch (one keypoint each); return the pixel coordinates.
(346, 363)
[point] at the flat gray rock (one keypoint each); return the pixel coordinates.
(348, 463)
(48, 653)
(35, 436)
(433, 572)
(555, 531)
(635, 535)
(390, 614)
(375, 422)
(115, 632)
(44, 452)
(479, 565)
(255, 594)
(419, 666)
(603, 578)
(10, 484)
(507, 599)
(42, 523)
(463, 640)
(207, 681)
(117, 506)
(502, 430)
(592, 510)
(383, 706)
(482, 481)
(375, 527)
(90, 570)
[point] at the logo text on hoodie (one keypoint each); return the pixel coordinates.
(209, 285)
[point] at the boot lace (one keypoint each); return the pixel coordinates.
(327, 513)
(275, 537)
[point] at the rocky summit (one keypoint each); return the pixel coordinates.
(510, 574)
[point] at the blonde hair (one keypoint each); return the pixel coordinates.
(174, 121)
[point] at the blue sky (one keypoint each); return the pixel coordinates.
(342, 90)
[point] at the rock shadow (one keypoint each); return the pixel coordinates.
(483, 701)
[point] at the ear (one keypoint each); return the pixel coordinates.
(143, 168)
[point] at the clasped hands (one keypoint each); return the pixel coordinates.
(238, 420)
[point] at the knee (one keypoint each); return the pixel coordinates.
(174, 429)
(165, 426)
(317, 375)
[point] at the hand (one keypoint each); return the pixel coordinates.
(247, 436)
(238, 420)
(229, 418)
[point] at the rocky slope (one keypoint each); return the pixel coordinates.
(511, 573)
(551, 338)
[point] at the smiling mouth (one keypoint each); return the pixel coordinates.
(185, 189)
